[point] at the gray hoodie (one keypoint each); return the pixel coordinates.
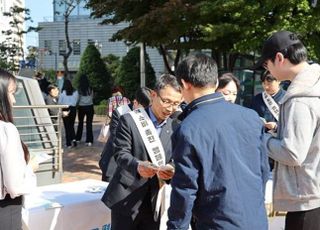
(296, 149)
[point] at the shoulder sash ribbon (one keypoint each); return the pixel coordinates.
(271, 105)
(154, 148)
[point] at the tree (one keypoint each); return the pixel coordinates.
(161, 24)
(93, 66)
(8, 52)
(113, 65)
(12, 47)
(227, 28)
(70, 5)
(129, 75)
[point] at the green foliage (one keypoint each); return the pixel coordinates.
(93, 66)
(223, 26)
(113, 64)
(50, 74)
(12, 46)
(104, 102)
(100, 110)
(8, 52)
(129, 76)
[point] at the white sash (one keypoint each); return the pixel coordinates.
(271, 104)
(123, 109)
(154, 148)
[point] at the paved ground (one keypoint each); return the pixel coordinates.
(82, 162)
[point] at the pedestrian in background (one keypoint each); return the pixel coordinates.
(16, 169)
(220, 166)
(266, 104)
(69, 96)
(229, 86)
(117, 99)
(52, 99)
(43, 83)
(85, 109)
(296, 148)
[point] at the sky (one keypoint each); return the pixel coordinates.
(40, 11)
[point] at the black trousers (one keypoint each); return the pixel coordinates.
(303, 220)
(85, 111)
(68, 123)
(10, 213)
(143, 221)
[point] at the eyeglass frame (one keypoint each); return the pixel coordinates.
(167, 102)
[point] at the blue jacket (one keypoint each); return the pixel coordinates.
(221, 167)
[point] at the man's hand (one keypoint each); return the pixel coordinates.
(146, 169)
(271, 125)
(166, 172)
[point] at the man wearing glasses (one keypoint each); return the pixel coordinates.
(296, 149)
(142, 150)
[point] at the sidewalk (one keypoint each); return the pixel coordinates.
(81, 162)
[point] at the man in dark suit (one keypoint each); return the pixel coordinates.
(132, 192)
(107, 163)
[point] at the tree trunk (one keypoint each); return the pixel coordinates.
(232, 61)
(69, 47)
(177, 59)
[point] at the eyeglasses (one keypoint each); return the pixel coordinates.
(168, 103)
(229, 92)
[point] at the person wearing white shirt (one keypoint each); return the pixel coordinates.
(16, 170)
(69, 96)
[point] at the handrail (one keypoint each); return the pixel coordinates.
(40, 106)
(40, 132)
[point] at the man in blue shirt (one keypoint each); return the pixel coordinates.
(220, 165)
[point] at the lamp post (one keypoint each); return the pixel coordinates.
(142, 66)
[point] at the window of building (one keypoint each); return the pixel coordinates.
(48, 45)
(76, 47)
(90, 42)
(62, 47)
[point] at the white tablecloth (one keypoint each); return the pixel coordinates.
(67, 206)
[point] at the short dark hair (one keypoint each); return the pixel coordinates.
(165, 80)
(51, 87)
(200, 70)
(225, 78)
(117, 88)
(267, 76)
(142, 96)
(296, 53)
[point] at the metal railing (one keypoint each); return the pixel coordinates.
(42, 134)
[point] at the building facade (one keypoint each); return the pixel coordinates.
(82, 31)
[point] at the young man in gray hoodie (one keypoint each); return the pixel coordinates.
(296, 148)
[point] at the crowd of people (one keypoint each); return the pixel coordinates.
(188, 132)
